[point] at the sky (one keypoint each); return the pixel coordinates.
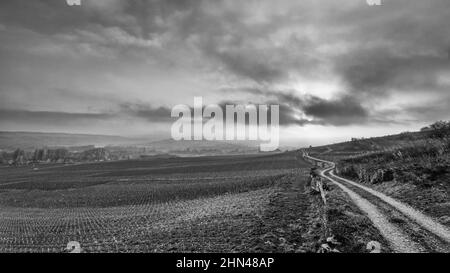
(338, 69)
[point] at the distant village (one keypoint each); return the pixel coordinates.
(69, 155)
(91, 153)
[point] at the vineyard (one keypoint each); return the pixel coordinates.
(165, 205)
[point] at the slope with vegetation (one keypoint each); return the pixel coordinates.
(411, 167)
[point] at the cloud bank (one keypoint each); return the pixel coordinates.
(327, 63)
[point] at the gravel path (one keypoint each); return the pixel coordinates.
(425, 221)
(400, 240)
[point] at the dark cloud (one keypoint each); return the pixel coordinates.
(287, 115)
(373, 53)
(48, 117)
(400, 47)
(340, 111)
(375, 72)
(252, 55)
(250, 65)
(134, 110)
(147, 112)
(55, 16)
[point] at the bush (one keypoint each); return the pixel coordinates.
(349, 171)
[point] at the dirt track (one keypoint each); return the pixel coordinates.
(405, 228)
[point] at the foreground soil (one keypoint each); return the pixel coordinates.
(274, 219)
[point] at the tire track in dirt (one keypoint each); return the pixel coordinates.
(399, 241)
(425, 221)
(430, 234)
(429, 241)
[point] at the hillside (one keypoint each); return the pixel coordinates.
(374, 144)
(411, 167)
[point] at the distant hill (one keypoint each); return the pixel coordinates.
(33, 140)
(29, 141)
(202, 147)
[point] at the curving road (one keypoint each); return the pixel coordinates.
(412, 231)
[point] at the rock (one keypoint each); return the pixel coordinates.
(373, 247)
